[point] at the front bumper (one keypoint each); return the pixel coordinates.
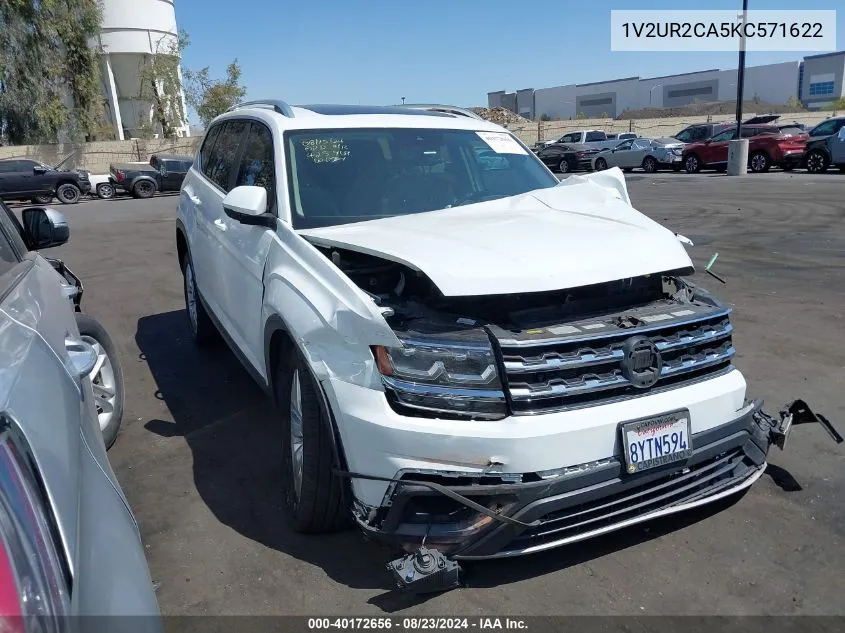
(582, 502)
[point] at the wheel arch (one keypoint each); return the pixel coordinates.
(181, 243)
(142, 178)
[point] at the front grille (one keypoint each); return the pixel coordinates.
(704, 480)
(586, 369)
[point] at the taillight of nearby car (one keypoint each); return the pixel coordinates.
(33, 586)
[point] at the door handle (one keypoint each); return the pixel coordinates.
(83, 357)
(220, 224)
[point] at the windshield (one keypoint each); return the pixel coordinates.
(351, 175)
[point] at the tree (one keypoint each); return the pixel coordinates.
(581, 115)
(49, 76)
(794, 103)
(837, 105)
(545, 117)
(212, 97)
(161, 83)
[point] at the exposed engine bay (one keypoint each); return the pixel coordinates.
(417, 305)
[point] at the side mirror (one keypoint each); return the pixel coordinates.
(248, 205)
(38, 169)
(44, 228)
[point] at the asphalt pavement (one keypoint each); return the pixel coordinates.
(199, 455)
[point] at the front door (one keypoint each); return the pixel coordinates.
(716, 150)
(639, 147)
(619, 155)
(244, 248)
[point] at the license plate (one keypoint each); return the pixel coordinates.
(657, 441)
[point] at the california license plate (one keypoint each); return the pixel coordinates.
(657, 441)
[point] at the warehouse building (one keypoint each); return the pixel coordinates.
(816, 82)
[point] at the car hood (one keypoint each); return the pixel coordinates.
(581, 232)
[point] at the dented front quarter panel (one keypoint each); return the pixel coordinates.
(331, 320)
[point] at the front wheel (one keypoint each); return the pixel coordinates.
(817, 162)
(106, 191)
(106, 377)
(692, 164)
(601, 164)
(68, 193)
(312, 493)
(42, 199)
(564, 167)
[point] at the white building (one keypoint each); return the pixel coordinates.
(815, 81)
(132, 31)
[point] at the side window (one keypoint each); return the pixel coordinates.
(8, 166)
(840, 123)
(750, 132)
(823, 129)
(8, 255)
(625, 145)
(685, 136)
(575, 137)
(701, 134)
(641, 143)
(221, 163)
(596, 136)
(257, 165)
(207, 147)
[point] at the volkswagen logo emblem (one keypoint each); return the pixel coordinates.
(641, 362)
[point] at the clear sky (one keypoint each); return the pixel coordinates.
(377, 51)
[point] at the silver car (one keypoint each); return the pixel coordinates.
(69, 544)
(650, 154)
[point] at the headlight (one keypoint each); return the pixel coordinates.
(443, 377)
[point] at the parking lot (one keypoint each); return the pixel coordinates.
(199, 456)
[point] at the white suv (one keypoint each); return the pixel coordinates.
(462, 348)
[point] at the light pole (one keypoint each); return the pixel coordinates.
(738, 147)
(652, 90)
(403, 100)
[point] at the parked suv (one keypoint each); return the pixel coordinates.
(767, 146)
(826, 146)
(700, 132)
(163, 173)
(25, 179)
(69, 545)
(471, 356)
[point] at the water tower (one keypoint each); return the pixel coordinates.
(131, 31)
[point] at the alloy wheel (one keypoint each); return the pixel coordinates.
(103, 383)
(296, 433)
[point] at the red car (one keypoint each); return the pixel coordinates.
(767, 146)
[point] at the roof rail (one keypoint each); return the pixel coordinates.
(279, 106)
(443, 108)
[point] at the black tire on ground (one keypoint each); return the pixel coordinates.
(842, 168)
(601, 164)
(649, 165)
(564, 167)
(692, 164)
(201, 325)
(676, 168)
(817, 162)
(144, 189)
(759, 162)
(43, 199)
(318, 508)
(92, 329)
(627, 170)
(788, 167)
(106, 191)
(68, 193)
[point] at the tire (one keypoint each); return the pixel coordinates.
(202, 327)
(692, 164)
(842, 168)
(68, 193)
(649, 165)
(106, 379)
(564, 167)
(817, 162)
(601, 164)
(43, 199)
(314, 500)
(759, 162)
(144, 189)
(627, 170)
(106, 191)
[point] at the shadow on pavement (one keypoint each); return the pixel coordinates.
(230, 426)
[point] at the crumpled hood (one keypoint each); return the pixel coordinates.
(581, 232)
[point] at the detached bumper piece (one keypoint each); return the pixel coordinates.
(539, 513)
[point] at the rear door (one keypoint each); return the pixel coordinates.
(244, 248)
(218, 174)
(171, 174)
(8, 178)
(639, 149)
